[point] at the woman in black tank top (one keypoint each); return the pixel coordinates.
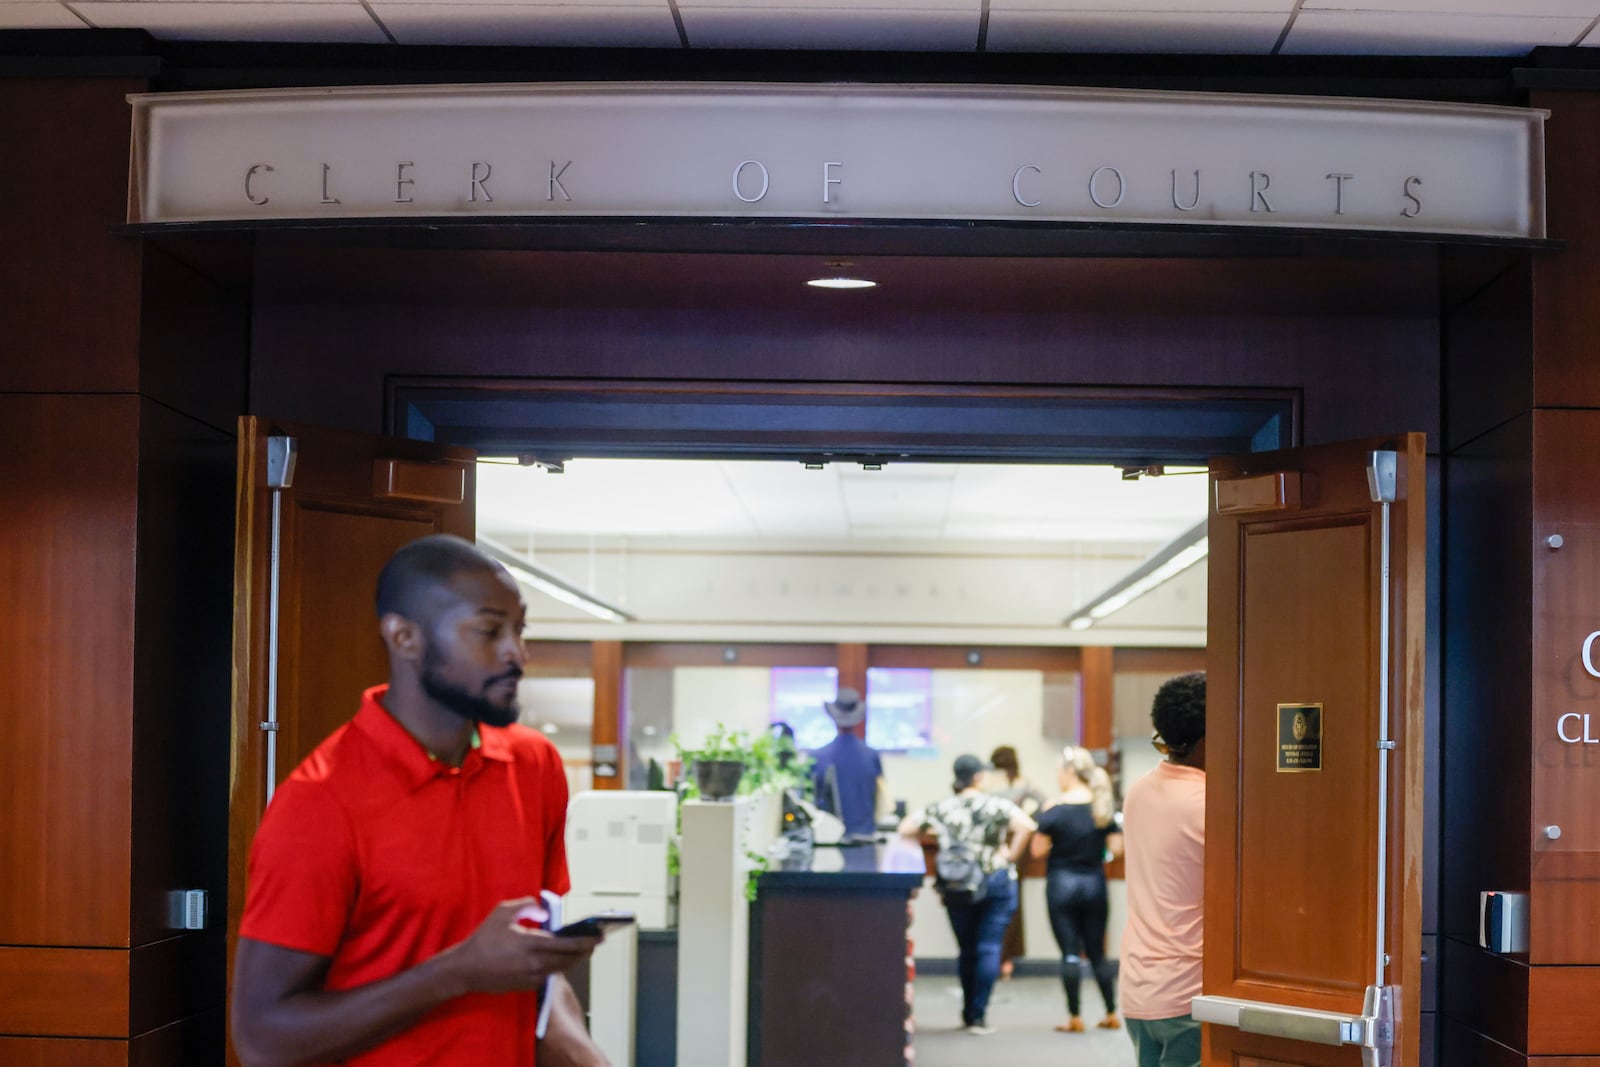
(1075, 831)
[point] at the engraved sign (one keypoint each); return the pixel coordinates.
(930, 152)
(1299, 737)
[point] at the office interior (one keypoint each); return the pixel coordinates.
(954, 573)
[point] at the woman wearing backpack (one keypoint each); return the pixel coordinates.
(1076, 830)
(981, 836)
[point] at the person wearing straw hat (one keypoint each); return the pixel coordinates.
(847, 774)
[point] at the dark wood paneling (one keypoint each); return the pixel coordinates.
(1483, 992)
(669, 654)
(67, 535)
(990, 657)
(1488, 356)
(1363, 365)
(1098, 709)
(1565, 315)
(192, 1042)
(180, 977)
(62, 1052)
(1460, 1044)
(71, 309)
(1486, 769)
(182, 611)
(831, 975)
(64, 992)
(609, 726)
(194, 339)
(1564, 1011)
(1158, 660)
(1566, 777)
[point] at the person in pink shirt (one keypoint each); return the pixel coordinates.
(1164, 833)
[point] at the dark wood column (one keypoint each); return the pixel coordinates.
(609, 737)
(852, 665)
(123, 369)
(1522, 556)
(1095, 721)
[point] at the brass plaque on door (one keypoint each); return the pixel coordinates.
(1299, 737)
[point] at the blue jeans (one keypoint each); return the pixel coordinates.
(1166, 1042)
(980, 928)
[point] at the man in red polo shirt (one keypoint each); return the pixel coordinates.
(380, 918)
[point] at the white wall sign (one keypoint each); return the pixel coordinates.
(838, 152)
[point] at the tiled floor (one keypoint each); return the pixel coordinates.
(1023, 1012)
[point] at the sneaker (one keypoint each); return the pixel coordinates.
(980, 1029)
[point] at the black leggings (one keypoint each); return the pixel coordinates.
(1078, 907)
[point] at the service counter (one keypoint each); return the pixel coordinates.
(828, 962)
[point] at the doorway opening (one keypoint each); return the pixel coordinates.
(739, 590)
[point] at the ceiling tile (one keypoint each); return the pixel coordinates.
(50, 16)
(670, 498)
(1514, 8)
(908, 12)
(912, 495)
(785, 500)
(1142, 8)
(579, 26)
(238, 20)
(1410, 33)
(885, 29)
(1133, 31)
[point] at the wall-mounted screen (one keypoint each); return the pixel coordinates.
(899, 708)
(797, 697)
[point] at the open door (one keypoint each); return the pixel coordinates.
(319, 512)
(1313, 886)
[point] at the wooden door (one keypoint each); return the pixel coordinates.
(352, 501)
(1313, 831)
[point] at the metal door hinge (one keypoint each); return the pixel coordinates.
(269, 727)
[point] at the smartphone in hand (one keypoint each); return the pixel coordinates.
(594, 925)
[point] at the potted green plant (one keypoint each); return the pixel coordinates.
(719, 763)
(731, 763)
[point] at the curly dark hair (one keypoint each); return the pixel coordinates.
(1179, 711)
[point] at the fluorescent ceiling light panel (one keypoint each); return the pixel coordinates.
(552, 584)
(1172, 560)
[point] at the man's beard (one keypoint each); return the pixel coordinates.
(471, 706)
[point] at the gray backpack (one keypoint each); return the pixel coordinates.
(958, 874)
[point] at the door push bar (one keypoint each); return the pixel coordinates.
(1372, 1030)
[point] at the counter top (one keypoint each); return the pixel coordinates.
(892, 865)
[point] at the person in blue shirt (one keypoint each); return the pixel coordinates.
(846, 774)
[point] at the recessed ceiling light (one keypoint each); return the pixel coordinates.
(841, 283)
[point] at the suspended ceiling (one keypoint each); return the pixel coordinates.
(1239, 27)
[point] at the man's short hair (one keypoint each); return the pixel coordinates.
(421, 566)
(1179, 711)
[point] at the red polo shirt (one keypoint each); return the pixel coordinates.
(378, 856)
